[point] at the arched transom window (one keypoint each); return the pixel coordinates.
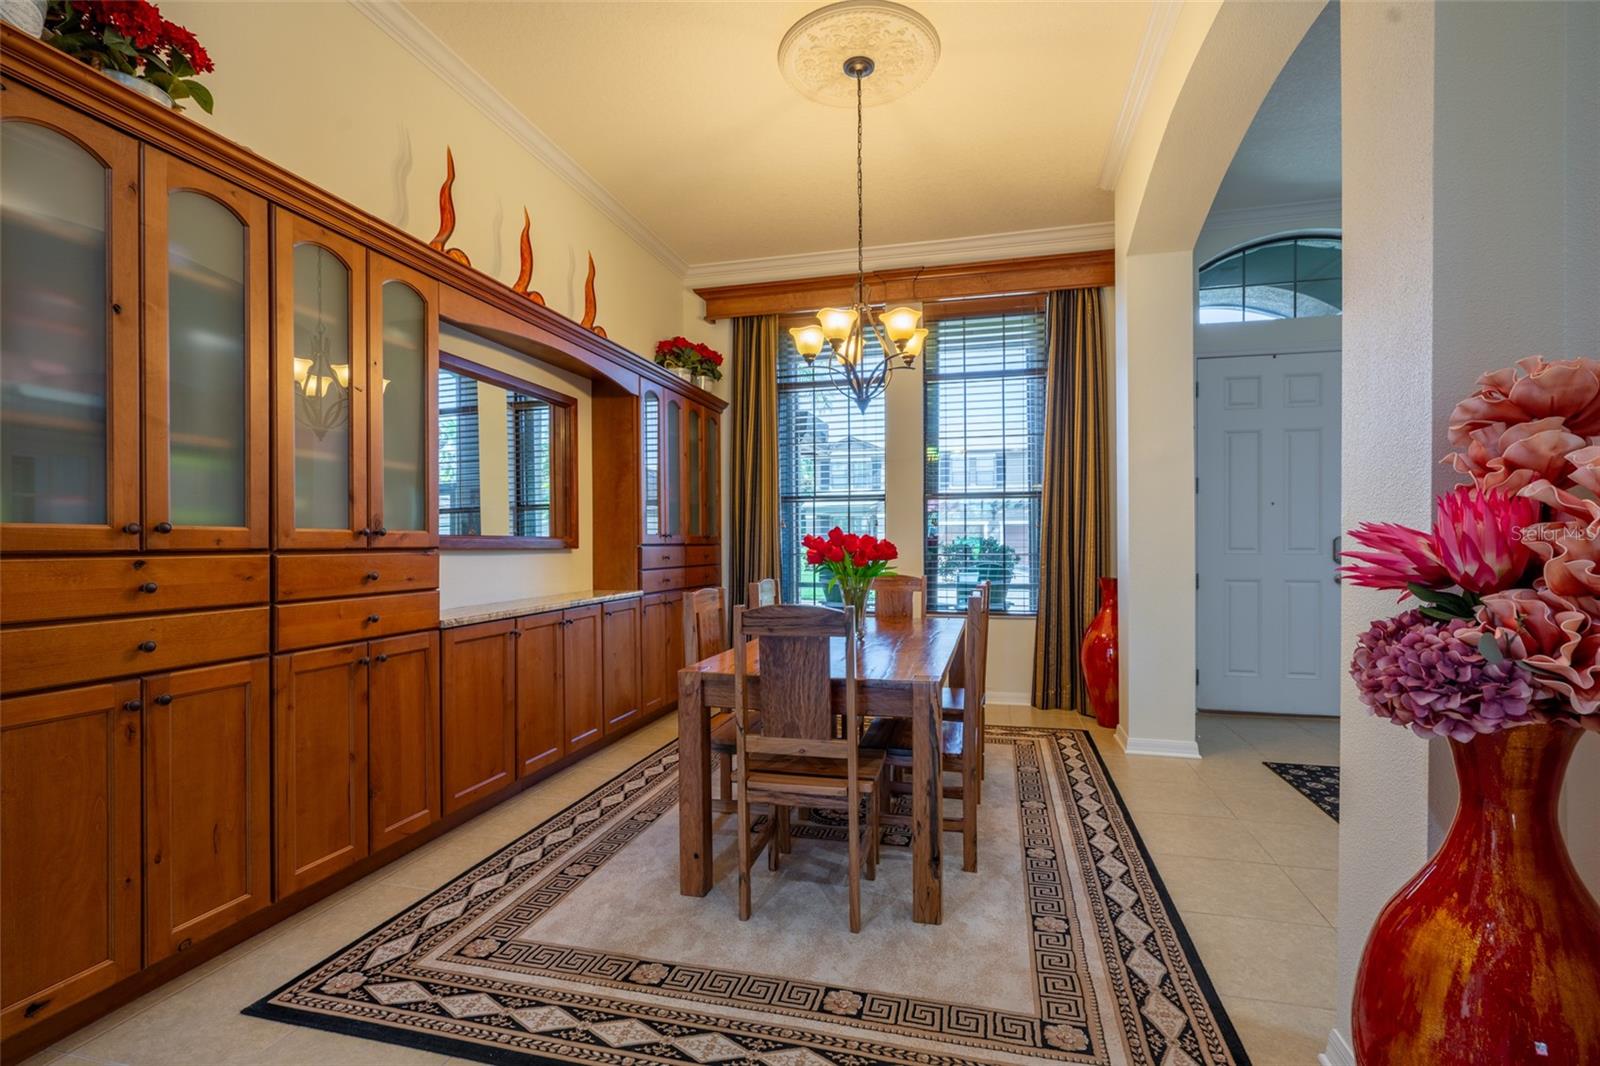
(1286, 277)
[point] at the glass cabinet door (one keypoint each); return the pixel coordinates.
(713, 477)
(403, 396)
(650, 415)
(696, 523)
(321, 378)
(205, 381)
(673, 526)
(69, 344)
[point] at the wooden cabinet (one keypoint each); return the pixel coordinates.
(661, 649)
(541, 701)
(206, 318)
(69, 845)
(207, 802)
(479, 729)
(69, 327)
(319, 732)
(619, 646)
(581, 668)
(403, 345)
(403, 736)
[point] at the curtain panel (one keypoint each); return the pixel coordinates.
(753, 551)
(1074, 537)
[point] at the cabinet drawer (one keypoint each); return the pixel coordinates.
(322, 577)
(309, 625)
(702, 555)
(700, 576)
(661, 580)
(34, 657)
(51, 590)
(652, 558)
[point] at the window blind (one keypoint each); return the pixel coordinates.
(983, 428)
(830, 464)
(528, 430)
(460, 503)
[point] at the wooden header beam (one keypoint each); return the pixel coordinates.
(1076, 270)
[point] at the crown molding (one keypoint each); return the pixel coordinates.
(1290, 214)
(1157, 32)
(415, 37)
(1022, 244)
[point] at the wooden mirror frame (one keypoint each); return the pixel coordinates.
(563, 464)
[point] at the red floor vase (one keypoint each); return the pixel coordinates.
(1491, 955)
(1098, 656)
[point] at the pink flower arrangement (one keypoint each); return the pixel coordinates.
(1508, 632)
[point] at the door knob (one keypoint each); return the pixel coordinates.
(133, 527)
(133, 705)
(163, 527)
(164, 699)
(371, 575)
(365, 532)
(383, 658)
(147, 645)
(148, 586)
(380, 532)
(372, 618)
(363, 661)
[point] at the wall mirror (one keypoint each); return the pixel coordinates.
(507, 460)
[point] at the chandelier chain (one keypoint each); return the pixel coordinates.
(861, 225)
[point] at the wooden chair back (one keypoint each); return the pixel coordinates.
(763, 593)
(705, 627)
(794, 646)
(976, 647)
(898, 596)
(978, 681)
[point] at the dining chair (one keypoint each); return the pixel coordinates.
(898, 596)
(795, 760)
(763, 593)
(954, 699)
(959, 746)
(704, 635)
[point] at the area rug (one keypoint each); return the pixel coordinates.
(1319, 784)
(573, 945)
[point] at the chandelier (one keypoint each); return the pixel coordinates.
(898, 330)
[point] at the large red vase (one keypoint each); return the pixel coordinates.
(1491, 955)
(1098, 656)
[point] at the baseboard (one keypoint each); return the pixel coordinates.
(1009, 699)
(1171, 749)
(1338, 1052)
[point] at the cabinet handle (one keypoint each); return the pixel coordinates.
(380, 532)
(516, 632)
(133, 705)
(147, 645)
(133, 527)
(371, 618)
(148, 586)
(163, 527)
(116, 309)
(383, 657)
(164, 699)
(370, 575)
(363, 661)
(365, 532)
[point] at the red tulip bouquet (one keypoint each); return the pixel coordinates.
(1508, 627)
(852, 563)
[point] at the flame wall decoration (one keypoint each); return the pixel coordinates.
(525, 276)
(447, 213)
(587, 322)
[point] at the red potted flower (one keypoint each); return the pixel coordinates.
(690, 359)
(129, 42)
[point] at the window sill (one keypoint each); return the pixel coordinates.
(1030, 615)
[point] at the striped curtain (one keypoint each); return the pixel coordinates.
(753, 551)
(1074, 537)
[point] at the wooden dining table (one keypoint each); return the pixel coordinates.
(901, 666)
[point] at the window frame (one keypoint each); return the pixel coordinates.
(563, 464)
(1294, 283)
(981, 307)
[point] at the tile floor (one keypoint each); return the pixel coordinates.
(1249, 862)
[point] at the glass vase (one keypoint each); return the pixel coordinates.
(855, 601)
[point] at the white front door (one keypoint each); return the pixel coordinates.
(1267, 515)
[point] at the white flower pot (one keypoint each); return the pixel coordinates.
(139, 85)
(25, 15)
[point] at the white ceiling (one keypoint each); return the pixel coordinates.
(680, 112)
(1290, 154)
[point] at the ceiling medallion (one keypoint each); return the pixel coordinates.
(903, 45)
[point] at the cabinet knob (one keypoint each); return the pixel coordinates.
(516, 632)
(370, 575)
(165, 699)
(364, 531)
(363, 661)
(147, 645)
(381, 531)
(371, 618)
(116, 309)
(382, 657)
(133, 527)
(163, 527)
(133, 705)
(148, 586)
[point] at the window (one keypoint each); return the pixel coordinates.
(1297, 277)
(459, 512)
(506, 460)
(830, 464)
(983, 429)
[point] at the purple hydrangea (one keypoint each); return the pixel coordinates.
(1419, 673)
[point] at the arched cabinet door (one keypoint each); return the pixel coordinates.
(206, 318)
(651, 463)
(320, 382)
(69, 330)
(403, 399)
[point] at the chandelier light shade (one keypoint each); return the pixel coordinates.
(842, 330)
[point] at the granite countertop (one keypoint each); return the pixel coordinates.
(555, 601)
